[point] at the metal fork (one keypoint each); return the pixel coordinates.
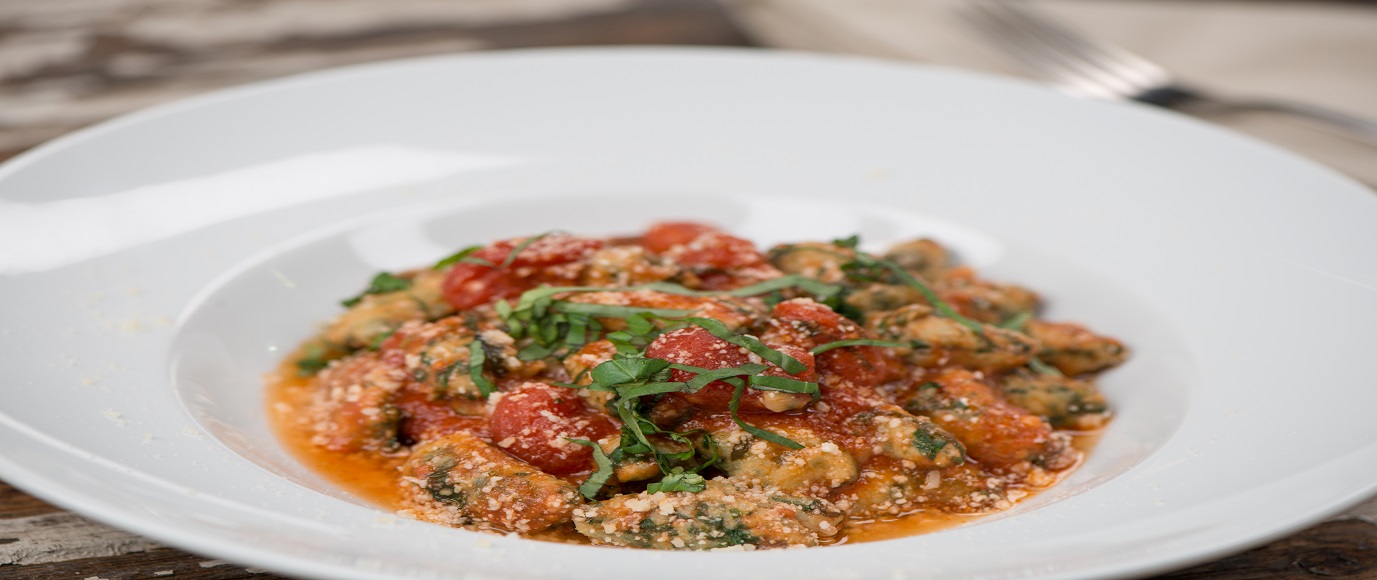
(1079, 65)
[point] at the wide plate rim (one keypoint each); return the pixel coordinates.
(16, 474)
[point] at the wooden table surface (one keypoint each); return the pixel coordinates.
(65, 64)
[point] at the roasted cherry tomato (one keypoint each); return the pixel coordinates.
(543, 261)
(666, 235)
(535, 422)
(718, 250)
(718, 260)
(700, 246)
(806, 324)
(694, 346)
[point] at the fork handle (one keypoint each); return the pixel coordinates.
(1348, 125)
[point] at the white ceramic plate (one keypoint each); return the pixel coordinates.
(157, 265)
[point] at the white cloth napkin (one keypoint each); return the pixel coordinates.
(1317, 52)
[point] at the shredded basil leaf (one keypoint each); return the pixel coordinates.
(926, 444)
(614, 310)
(626, 410)
(651, 389)
(535, 351)
(862, 269)
(625, 369)
(598, 479)
(1017, 322)
(735, 405)
(937, 303)
(476, 359)
(790, 364)
(311, 364)
(639, 324)
(678, 480)
(785, 384)
(526, 243)
(377, 341)
(859, 342)
(456, 257)
(1043, 368)
(705, 377)
(382, 283)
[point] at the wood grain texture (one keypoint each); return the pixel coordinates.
(157, 563)
(65, 64)
(17, 504)
(1336, 549)
(62, 536)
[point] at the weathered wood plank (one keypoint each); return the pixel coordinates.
(1346, 548)
(153, 564)
(17, 504)
(65, 64)
(63, 536)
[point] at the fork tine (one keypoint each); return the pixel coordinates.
(1067, 70)
(1123, 61)
(1082, 65)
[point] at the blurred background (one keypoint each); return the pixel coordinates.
(67, 64)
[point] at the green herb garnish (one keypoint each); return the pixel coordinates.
(526, 243)
(378, 340)
(382, 283)
(926, 444)
(624, 370)
(598, 479)
(790, 364)
(678, 480)
(1043, 368)
(476, 359)
(859, 342)
(312, 361)
(735, 405)
(457, 257)
(867, 268)
(1017, 322)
